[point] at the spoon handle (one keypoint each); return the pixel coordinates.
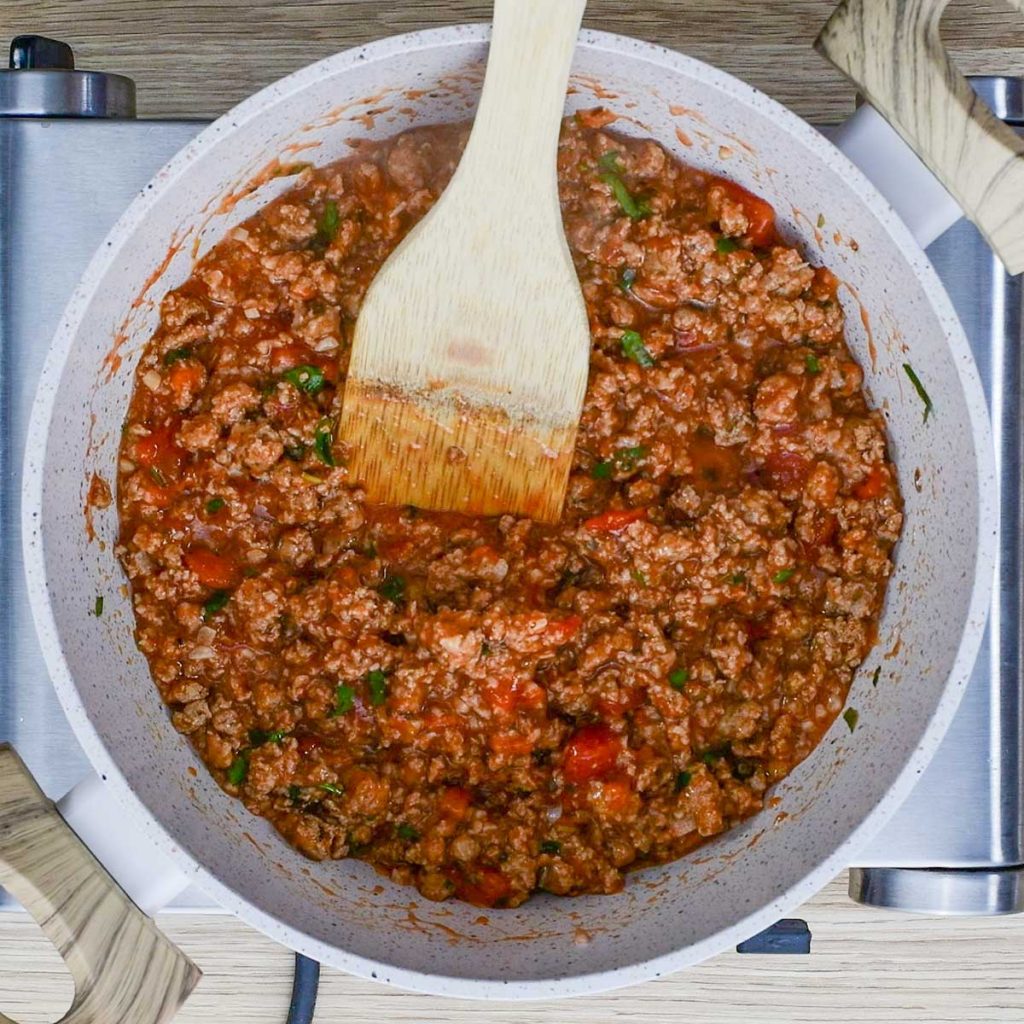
(516, 128)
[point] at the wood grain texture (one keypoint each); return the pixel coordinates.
(197, 59)
(891, 50)
(865, 967)
(124, 970)
(467, 375)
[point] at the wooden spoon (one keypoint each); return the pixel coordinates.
(470, 356)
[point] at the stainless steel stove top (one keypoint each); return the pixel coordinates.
(956, 846)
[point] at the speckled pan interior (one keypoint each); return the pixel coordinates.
(668, 917)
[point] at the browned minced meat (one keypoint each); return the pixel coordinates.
(486, 707)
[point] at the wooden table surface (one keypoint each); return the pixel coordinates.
(196, 59)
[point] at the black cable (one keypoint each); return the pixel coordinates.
(304, 989)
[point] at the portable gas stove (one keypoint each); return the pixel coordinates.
(72, 155)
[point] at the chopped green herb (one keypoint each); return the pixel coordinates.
(323, 441)
(327, 225)
(851, 716)
(627, 278)
(744, 769)
(377, 681)
(406, 831)
(633, 208)
(550, 846)
(239, 769)
(678, 678)
(257, 737)
(623, 459)
(782, 575)
(633, 347)
(216, 602)
(627, 458)
(295, 452)
(811, 363)
(214, 505)
(683, 779)
(157, 477)
(97, 608)
(709, 757)
(485, 649)
(294, 793)
(344, 700)
(821, 220)
(306, 378)
(171, 356)
(726, 245)
(638, 577)
(919, 388)
(393, 588)
(875, 675)
(737, 578)
(332, 788)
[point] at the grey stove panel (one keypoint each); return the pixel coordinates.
(967, 810)
(63, 183)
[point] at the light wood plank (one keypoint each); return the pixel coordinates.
(198, 59)
(865, 967)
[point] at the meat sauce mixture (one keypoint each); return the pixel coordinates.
(486, 707)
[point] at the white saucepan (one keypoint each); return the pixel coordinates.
(342, 913)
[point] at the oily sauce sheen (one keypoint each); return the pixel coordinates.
(487, 707)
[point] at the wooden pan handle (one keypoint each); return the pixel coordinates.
(892, 52)
(124, 970)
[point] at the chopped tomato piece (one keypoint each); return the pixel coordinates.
(591, 753)
(308, 742)
(507, 695)
(563, 631)
(185, 378)
(480, 885)
(454, 803)
(614, 519)
(510, 743)
(759, 213)
(786, 470)
(213, 570)
(825, 284)
(822, 534)
(615, 796)
(284, 357)
(159, 450)
(622, 701)
(873, 485)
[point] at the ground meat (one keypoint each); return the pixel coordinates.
(487, 707)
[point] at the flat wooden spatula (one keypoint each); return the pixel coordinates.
(469, 361)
